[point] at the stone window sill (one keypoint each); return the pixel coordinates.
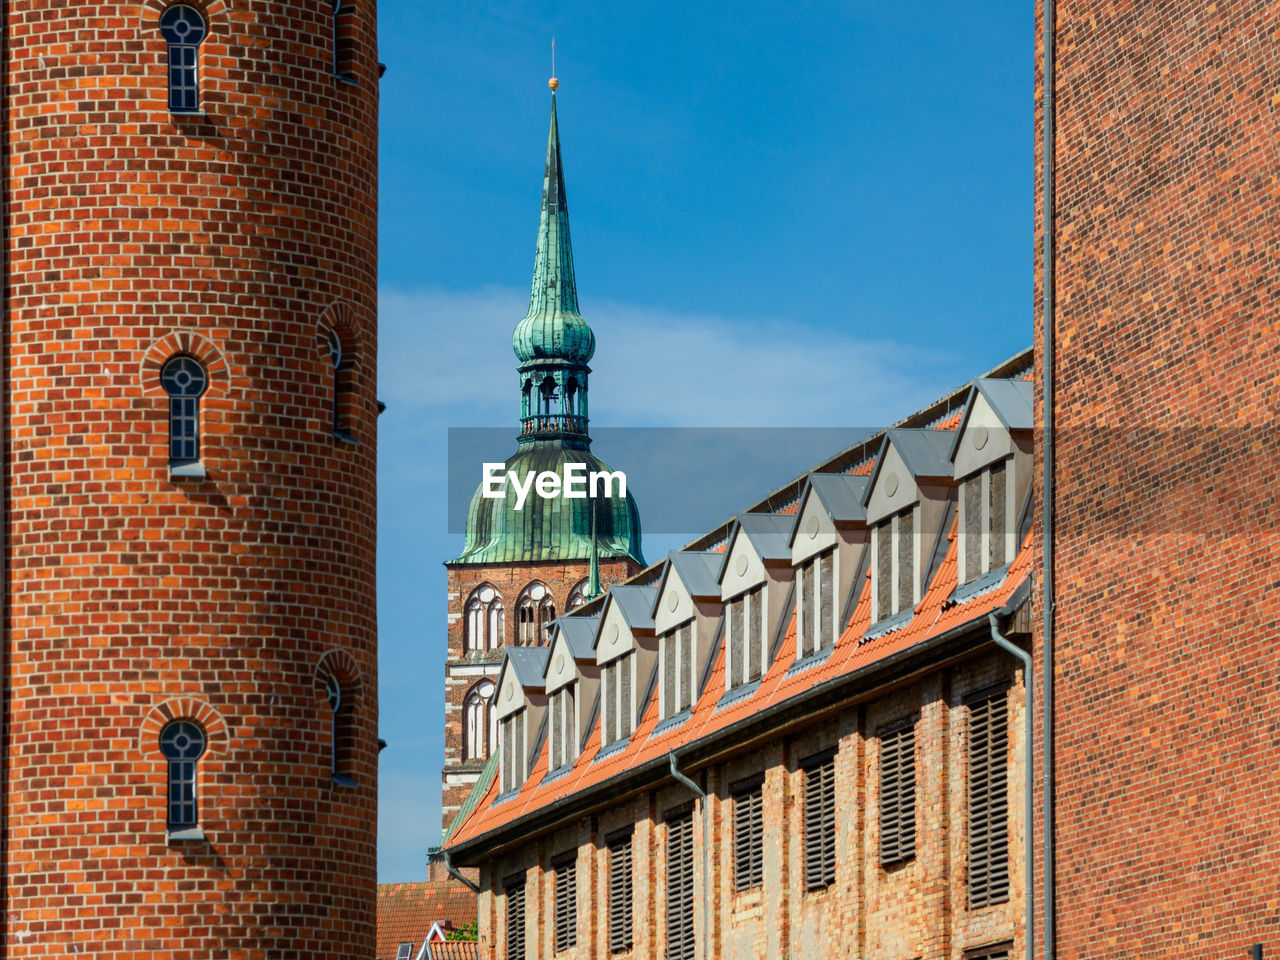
(181, 836)
(187, 471)
(338, 780)
(346, 439)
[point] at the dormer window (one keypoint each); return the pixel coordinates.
(746, 633)
(563, 736)
(816, 614)
(985, 528)
(676, 653)
(617, 698)
(514, 751)
(894, 567)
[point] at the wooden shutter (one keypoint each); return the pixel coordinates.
(884, 571)
(755, 632)
(621, 908)
(748, 836)
(670, 654)
(826, 597)
(514, 891)
(570, 724)
(607, 733)
(988, 801)
(566, 903)
(996, 540)
(684, 667)
(737, 642)
(971, 491)
(906, 560)
(680, 887)
(819, 822)
(898, 794)
(508, 755)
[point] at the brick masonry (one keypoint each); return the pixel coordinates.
(465, 670)
(241, 236)
(1168, 386)
(914, 909)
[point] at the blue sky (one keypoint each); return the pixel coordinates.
(810, 214)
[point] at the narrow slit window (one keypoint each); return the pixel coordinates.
(184, 380)
(183, 30)
(182, 743)
(340, 728)
(343, 39)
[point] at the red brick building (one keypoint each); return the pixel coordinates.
(1165, 395)
(521, 566)
(190, 696)
(804, 735)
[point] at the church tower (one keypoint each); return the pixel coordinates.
(518, 568)
(189, 652)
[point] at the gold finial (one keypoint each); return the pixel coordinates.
(553, 83)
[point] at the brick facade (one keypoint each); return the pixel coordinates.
(243, 236)
(466, 669)
(916, 908)
(1168, 386)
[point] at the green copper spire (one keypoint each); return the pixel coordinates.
(553, 328)
(593, 579)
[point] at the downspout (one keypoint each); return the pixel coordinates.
(453, 872)
(1047, 486)
(706, 838)
(1028, 754)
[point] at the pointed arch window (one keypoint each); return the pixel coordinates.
(339, 698)
(479, 722)
(183, 30)
(182, 743)
(536, 610)
(185, 380)
(578, 595)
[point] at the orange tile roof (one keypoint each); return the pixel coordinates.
(406, 912)
(933, 617)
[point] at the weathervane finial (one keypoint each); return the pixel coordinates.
(553, 83)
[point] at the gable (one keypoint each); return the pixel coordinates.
(815, 530)
(615, 637)
(561, 669)
(743, 567)
(893, 488)
(675, 605)
(983, 441)
(510, 693)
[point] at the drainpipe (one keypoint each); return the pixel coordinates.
(1028, 838)
(706, 839)
(448, 865)
(1047, 484)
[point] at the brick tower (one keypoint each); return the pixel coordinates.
(1166, 399)
(519, 567)
(190, 699)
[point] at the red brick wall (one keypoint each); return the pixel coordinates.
(241, 237)
(464, 670)
(1168, 386)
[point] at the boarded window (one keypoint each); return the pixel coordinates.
(566, 897)
(755, 633)
(608, 733)
(988, 801)
(620, 893)
(884, 571)
(806, 609)
(748, 835)
(997, 505)
(563, 728)
(514, 892)
(826, 601)
(737, 642)
(971, 491)
(684, 668)
(819, 821)
(626, 710)
(670, 670)
(680, 887)
(906, 561)
(898, 794)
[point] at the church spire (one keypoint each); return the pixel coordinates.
(553, 343)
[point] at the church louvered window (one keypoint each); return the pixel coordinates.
(513, 893)
(680, 942)
(183, 30)
(566, 903)
(748, 834)
(621, 908)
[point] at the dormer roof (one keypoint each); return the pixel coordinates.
(841, 495)
(769, 534)
(635, 603)
(579, 634)
(698, 570)
(1012, 401)
(529, 665)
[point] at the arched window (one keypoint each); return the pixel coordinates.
(184, 379)
(536, 610)
(340, 730)
(479, 722)
(485, 621)
(340, 365)
(578, 595)
(335, 358)
(182, 743)
(183, 29)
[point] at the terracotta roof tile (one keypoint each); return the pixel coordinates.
(406, 912)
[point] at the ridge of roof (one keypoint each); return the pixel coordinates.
(769, 533)
(635, 603)
(699, 571)
(580, 634)
(529, 663)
